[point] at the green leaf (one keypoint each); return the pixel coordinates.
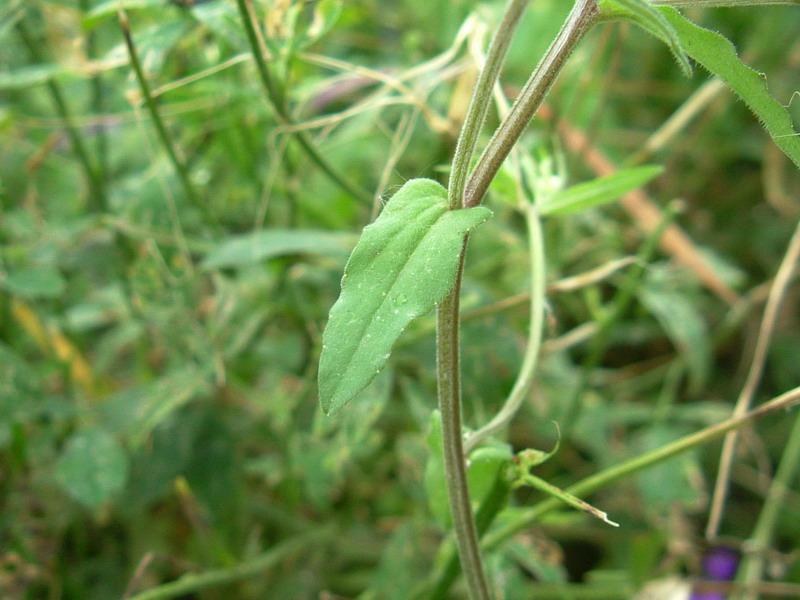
(599, 191)
(647, 16)
(34, 282)
(717, 54)
(251, 248)
(673, 482)
(136, 411)
(29, 75)
(682, 323)
(403, 265)
(110, 8)
(93, 467)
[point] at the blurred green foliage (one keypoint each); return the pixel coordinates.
(158, 403)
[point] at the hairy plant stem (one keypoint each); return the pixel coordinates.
(449, 391)
(580, 19)
(480, 101)
(158, 122)
(278, 101)
(97, 195)
(460, 195)
(447, 324)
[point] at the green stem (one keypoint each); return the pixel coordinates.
(163, 134)
(97, 197)
(98, 108)
(578, 22)
(444, 578)
(537, 304)
(753, 565)
(279, 104)
(480, 100)
(447, 339)
(605, 477)
(565, 497)
(495, 501)
(194, 582)
(449, 390)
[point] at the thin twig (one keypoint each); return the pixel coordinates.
(777, 294)
(161, 129)
(97, 196)
(524, 380)
(579, 21)
(193, 582)
(278, 101)
(480, 101)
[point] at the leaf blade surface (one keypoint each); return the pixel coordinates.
(403, 265)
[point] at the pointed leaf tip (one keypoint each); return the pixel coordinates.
(402, 266)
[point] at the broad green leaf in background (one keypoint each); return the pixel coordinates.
(250, 248)
(136, 411)
(403, 265)
(644, 14)
(682, 322)
(672, 483)
(34, 283)
(30, 75)
(93, 467)
(599, 191)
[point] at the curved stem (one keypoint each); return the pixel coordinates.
(158, 122)
(525, 378)
(480, 100)
(449, 390)
(579, 21)
(97, 194)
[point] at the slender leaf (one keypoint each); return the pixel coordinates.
(33, 283)
(682, 322)
(30, 75)
(403, 265)
(250, 248)
(599, 191)
(717, 54)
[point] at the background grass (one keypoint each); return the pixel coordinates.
(158, 408)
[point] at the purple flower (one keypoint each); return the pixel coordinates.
(720, 564)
